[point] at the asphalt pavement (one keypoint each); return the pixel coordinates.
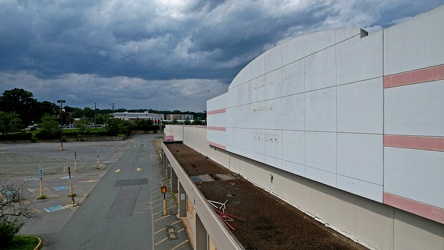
(118, 204)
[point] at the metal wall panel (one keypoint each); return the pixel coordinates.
(416, 43)
(415, 174)
(292, 77)
(360, 107)
(320, 110)
(416, 109)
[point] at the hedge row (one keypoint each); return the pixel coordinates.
(68, 133)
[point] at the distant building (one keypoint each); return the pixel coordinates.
(130, 116)
(179, 117)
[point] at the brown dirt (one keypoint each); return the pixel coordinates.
(270, 222)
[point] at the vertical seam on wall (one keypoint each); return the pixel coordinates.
(282, 112)
(383, 113)
(336, 111)
(305, 105)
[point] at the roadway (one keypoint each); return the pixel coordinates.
(120, 203)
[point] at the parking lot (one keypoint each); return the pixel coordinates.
(88, 162)
(95, 169)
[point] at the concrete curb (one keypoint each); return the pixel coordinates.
(39, 245)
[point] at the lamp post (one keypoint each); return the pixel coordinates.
(61, 116)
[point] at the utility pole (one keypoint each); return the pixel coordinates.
(61, 128)
(112, 105)
(95, 115)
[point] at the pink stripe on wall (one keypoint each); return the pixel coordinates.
(415, 207)
(414, 142)
(217, 111)
(217, 145)
(416, 76)
(217, 128)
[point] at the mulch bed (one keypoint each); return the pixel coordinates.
(270, 222)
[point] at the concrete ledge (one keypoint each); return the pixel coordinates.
(222, 238)
(39, 245)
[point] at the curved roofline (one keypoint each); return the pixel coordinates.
(353, 31)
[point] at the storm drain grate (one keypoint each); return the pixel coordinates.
(171, 233)
(131, 182)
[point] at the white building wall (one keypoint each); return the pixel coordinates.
(326, 95)
(298, 95)
(414, 115)
(419, 116)
(360, 107)
(372, 130)
(174, 133)
(424, 33)
(370, 223)
(196, 138)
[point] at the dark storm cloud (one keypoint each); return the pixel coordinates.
(160, 53)
(388, 13)
(128, 39)
(245, 31)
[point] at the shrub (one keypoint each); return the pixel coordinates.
(71, 132)
(15, 208)
(24, 135)
(24, 242)
(42, 197)
(8, 229)
(34, 137)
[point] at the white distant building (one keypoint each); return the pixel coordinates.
(179, 117)
(130, 116)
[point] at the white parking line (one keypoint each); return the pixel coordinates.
(183, 242)
(161, 241)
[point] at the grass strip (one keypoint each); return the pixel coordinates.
(23, 243)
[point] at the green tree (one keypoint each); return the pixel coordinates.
(117, 126)
(9, 122)
(201, 116)
(83, 124)
(47, 108)
(102, 118)
(88, 112)
(49, 125)
(197, 121)
(143, 124)
(20, 102)
(76, 112)
(187, 121)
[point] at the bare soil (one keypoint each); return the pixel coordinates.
(270, 222)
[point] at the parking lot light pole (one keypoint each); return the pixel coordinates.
(61, 128)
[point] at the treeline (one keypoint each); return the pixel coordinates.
(23, 117)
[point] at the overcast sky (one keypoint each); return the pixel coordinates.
(161, 54)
